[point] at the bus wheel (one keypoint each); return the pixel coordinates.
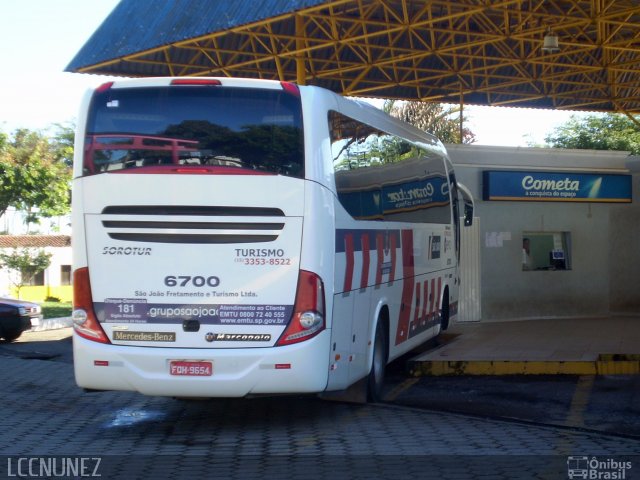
(376, 376)
(444, 313)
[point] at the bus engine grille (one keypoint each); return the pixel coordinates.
(193, 224)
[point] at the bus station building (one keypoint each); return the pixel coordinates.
(556, 233)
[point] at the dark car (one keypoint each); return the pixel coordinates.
(16, 316)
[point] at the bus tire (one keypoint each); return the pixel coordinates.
(444, 312)
(375, 382)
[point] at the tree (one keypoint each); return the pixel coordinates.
(62, 143)
(25, 264)
(33, 175)
(597, 132)
(434, 118)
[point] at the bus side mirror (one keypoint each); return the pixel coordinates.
(467, 199)
(468, 215)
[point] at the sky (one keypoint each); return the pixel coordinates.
(39, 39)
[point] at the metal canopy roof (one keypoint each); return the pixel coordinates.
(467, 51)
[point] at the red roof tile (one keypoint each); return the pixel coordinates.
(40, 241)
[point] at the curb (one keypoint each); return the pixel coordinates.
(52, 324)
(606, 364)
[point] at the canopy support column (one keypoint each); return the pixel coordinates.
(301, 75)
(461, 118)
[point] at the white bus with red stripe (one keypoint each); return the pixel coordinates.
(236, 237)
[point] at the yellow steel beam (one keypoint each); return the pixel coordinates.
(491, 48)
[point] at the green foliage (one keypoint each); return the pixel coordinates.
(34, 173)
(62, 143)
(370, 146)
(597, 132)
(56, 309)
(434, 118)
(26, 263)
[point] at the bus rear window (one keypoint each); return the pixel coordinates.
(187, 126)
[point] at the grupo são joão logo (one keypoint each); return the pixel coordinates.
(597, 468)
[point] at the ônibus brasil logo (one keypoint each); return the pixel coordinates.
(597, 468)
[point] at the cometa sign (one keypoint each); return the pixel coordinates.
(556, 187)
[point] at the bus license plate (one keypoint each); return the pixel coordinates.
(190, 369)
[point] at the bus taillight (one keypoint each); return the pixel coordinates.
(104, 87)
(291, 88)
(84, 318)
(308, 317)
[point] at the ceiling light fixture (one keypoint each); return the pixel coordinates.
(550, 43)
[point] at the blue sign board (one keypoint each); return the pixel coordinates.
(556, 187)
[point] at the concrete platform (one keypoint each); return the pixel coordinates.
(586, 346)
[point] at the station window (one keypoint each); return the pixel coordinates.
(65, 274)
(36, 280)
(546, 251)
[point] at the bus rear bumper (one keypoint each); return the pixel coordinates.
(299, 368)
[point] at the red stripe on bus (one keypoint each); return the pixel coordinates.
(364, 276)
(432, 310)
(348, 273)
(416, 315)
(380, 258)
(426, 302)
(392, 247)
(407, 285)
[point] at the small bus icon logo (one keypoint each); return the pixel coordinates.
(578, 467)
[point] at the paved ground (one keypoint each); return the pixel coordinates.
(44, 414)
(601, 403)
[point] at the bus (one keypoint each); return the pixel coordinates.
(240, 237)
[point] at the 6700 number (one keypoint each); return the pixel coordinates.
(188, 281)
